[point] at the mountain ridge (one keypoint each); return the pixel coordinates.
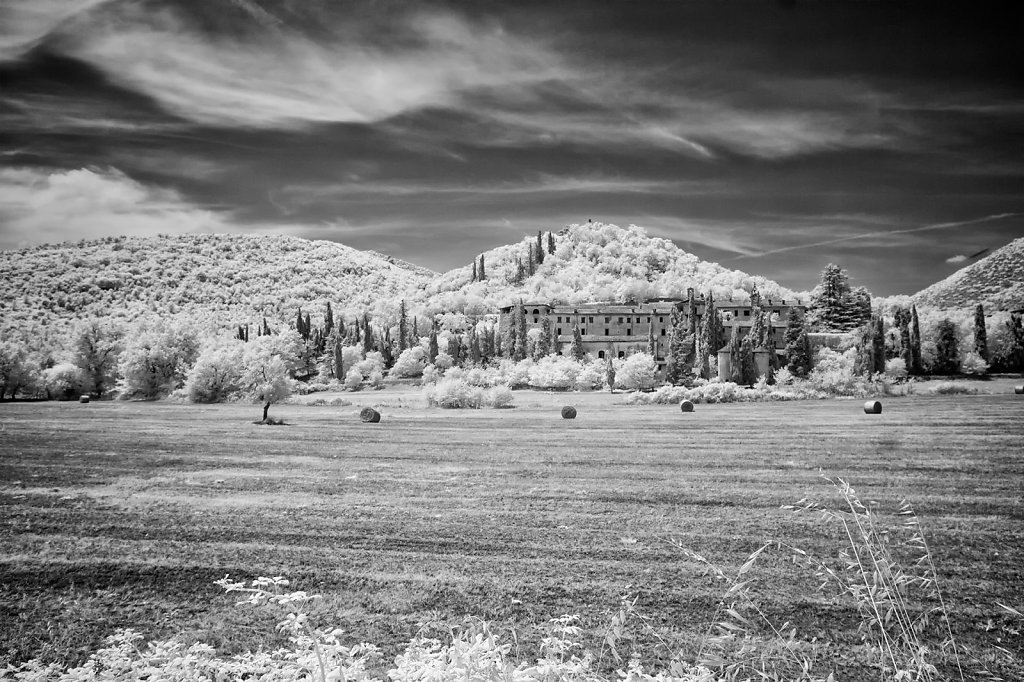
(996, 281)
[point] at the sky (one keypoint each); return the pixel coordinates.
(770, 136)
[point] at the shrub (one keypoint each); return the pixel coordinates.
(952, 388)
(499, 396)
(410, 363)
(636, 373)
(896, 368)
(65, 381)
(554, 371)
(972, 363)
(454, 393)
(353, 379)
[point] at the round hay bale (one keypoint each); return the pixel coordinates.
(1019, 390)
(83, 398)
(686, 406)
(369, 415)
(872, 407)
(568, 412)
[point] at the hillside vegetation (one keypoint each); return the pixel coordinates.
(231, 279)
(997, 281)
(228, 280)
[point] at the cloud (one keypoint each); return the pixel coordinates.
(37, 206)
(257, 77)
(26, 22)
(956, 259)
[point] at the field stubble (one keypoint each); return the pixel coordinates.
(123, 514)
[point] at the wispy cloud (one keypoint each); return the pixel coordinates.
(268, 78)
(956, 259)
(26, 22)
(884, 234)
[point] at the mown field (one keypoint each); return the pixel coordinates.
(123, 514)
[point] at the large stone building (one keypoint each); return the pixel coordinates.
(619, 329)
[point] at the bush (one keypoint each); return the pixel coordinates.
(554, 371)
(636, 373)
(353, 379)
(499, 396)
(410, 363)
(973, 364)
(896, 368)
(454, 393)
(66, 381)
(952, 388)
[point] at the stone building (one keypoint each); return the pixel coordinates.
(619, 329)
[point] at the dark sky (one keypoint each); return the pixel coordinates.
(772, 137)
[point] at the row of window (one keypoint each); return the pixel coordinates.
(607, 332)
(607, 320)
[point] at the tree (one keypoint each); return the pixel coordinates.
(710, 338)
(745, 373)
(339, 360)
(367, 334)
(65, 381)
(96, 348)
(328, 321)
(901, 318)
(638, 372)
(540, 248)
(609, 374)
(156, 359)
(878, 345)
(546, 340)
(474, 271)
(679, 365)
(798, 345)
(217, 372)
(531, 259)
(403, 327)
(480, 271)
(652, 341)
(576, 349)
(916, 366)
(947, 352)
(264, 379)
(835, 307)
(551, 243)
(15, 369)
(519, 332)
(980, 335)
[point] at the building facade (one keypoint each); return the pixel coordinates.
(617, 330)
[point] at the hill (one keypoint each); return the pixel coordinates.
(227, 280)
(594, 262)
(997, 281)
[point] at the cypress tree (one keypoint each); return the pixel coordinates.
(980, 334)
(652, 340)
(340, 323)
(878, 345)
(798, 345)
(480, 271)
(609, 374)
(403, 327)
(901, 318)
(747, 368)
(266, 327)
(300, 326)
(519, 340)
(432, 349)
(540, 248)
(339, 360)
(474, 271)
(531, 259)
(916, 366)
(576, 350)
(475, 354)
(735, 361)
(551, 243)
(947, 352)
(367, 334)
(328, 321)
(544, 342)
(679, 365)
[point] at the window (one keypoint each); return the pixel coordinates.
(648, 319)
(661, 319)
(746, 313)
(663, 332)
(606, 331)
(629, 332)
(559, 333)
(600, 355)
(607, 320)
(583, 332)
(559, 318)
(622, 354)
(591, 320)
(620, 320)
(536, 312)
(535, 320)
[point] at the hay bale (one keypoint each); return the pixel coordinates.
(369, 415)
(1019, 390)
(686, 406)
(83, 398)
(568, 412)
(872, 407)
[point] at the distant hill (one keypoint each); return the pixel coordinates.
(997, 281)
(227, 280)
(231, 279)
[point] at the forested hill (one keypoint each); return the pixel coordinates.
(997, 281)
(227, 280)
(592, 262)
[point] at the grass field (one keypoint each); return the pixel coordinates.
(123, 514)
